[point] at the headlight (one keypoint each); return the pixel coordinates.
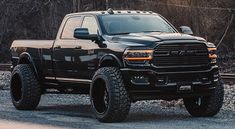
(212, 55)
(138, 55)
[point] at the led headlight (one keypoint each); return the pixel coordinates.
(138, 55)
(212, 54)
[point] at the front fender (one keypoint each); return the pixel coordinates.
(110, 57)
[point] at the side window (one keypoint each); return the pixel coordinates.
(70, 26)
(91, 24)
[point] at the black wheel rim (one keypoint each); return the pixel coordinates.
(106, 98)
(100, 96)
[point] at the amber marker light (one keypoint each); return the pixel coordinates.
(138, 55)
(212, 53)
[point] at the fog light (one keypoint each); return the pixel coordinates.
(216, 77)
(140, 80)
(213, 61)
(205, 79)
(161, 80)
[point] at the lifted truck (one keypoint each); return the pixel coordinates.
(118, 57)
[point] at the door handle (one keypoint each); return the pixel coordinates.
(78, 47)
(57, 47)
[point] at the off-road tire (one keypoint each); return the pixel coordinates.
(118, 103)
(209, 105)
(25, 88)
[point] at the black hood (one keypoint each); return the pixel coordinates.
(146, 39)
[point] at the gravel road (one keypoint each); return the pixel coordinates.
(4, 79)
(73, 111)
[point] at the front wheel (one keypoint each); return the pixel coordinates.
(206, 106)
(109, 98)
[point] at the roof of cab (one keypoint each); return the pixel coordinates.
(110, 12)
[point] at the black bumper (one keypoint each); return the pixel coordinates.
(144, 84)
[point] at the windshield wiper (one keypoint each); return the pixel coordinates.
(151, 31)
(124, 33)
(121, 33)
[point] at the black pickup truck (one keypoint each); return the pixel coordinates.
(118, 57)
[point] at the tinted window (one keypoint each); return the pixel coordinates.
(91, 24)
(118, 24)
(70, 26)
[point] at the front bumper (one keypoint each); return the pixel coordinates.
(144, 84)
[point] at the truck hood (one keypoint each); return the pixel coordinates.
(146, 39)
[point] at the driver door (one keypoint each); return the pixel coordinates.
(86, 62)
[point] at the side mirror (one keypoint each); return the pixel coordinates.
(186, 30)
(83, 33)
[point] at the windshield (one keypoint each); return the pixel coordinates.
(125, 24)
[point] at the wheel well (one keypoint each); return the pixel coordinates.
(24, 60)
(109, 63)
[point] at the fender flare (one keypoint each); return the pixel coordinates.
(31, 62)
(110, 57)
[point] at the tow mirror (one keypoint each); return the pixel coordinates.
(186, 30)
(83, 33)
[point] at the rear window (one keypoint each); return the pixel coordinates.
(70, 26)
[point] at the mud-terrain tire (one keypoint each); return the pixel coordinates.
(24, 88)
(109, 98)
(208, 105)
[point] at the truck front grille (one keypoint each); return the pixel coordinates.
(180, 54)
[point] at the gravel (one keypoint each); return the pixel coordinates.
(73, 111)
(4, 79)
(229, 97)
